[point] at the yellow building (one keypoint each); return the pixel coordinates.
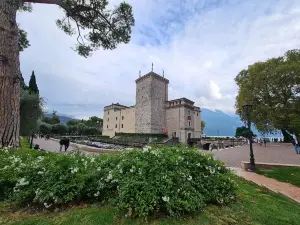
(153, 112)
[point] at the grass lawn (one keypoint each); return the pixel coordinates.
(255, 205)
(286, 174)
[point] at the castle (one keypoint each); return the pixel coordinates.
(153, 112)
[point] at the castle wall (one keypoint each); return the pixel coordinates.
(158, 101)
(151, 95)
(143, 106)
(116, 120)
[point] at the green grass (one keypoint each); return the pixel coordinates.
(255, 205)
(24, 144)
(285, 174)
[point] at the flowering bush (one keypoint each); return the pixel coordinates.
(174, 180)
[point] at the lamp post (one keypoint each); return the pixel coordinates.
(247, 108)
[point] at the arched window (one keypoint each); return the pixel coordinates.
(189, 118)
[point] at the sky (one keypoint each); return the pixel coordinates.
(200, 44)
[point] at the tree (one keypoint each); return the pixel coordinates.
(30, 112)
(103, 28)
(273, 87)
(44, 128)
(202, 126)
(243, 132)
(33, 88)
(60, 129)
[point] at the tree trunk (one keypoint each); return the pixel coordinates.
(9, 74)
(287, 138)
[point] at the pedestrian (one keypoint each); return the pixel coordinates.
(67, 143)
(61, 142)
(297, 145)
(265, 142)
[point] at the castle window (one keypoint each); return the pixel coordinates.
(122, 117)
(189, 123)
(116, 118)
(108, 112)
(174, 134)
(107, 119)
(122, 125)
(189, 112)
(107, 126)
(116, 126)
(197, 114)
(189, 118)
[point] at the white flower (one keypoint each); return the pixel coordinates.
(40, 172)
(99, 168)
(109, 177)
(121, 171)
(47, 205)
(40, 158)
(22, 182)
(146, 148)
(74, 170)
(92, 160)
(212, 170)
(219, 168)
(131, 170)
(190, 178)
(166, 199)
(198, 164)
(97, 194)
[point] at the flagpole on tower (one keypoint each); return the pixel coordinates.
(152, 67)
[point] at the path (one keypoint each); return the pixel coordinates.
(274, 153)
(53, 146)
(286, 189)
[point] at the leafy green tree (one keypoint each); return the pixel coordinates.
(243, 132)
(23, 41)
(30, 112)
(44, 128)
(81, 128)
(202, 125)
(273, 87)
(33, 88)
(103, 26)
(59, 128)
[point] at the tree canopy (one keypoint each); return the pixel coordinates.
(94, 22)
(33, 88)
(273, 87)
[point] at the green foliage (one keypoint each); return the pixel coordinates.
(150, 135)
(53, 120)
(30, 112)
(180, 181)
(44, 128)
(33, 88)
(104, 28)
(273, 88)
(243, 132)
(59, 129)
(23, 41)
(202, 125)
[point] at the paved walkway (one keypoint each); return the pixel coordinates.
(53, 146)
(283, 153)
(286, 189)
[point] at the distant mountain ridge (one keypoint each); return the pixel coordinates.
(63, 118)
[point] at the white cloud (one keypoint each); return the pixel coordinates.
(201, 45)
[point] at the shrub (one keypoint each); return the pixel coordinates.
(174, 180)
(149, 135)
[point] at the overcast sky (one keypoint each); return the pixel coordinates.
(200, 44)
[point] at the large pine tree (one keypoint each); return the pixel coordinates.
(33, 88)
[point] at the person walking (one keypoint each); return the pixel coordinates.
(61, 142)
(67, 143)
(265, 142)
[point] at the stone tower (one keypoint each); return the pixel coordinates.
(151, 97)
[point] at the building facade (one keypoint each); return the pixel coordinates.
(153, 112)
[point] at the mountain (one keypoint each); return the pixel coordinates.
(63, 118)
(219, 123)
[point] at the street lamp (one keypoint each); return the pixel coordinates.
(247, 108)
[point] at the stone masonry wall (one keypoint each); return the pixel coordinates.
(143, 106)
(158, 101)
(150, 113)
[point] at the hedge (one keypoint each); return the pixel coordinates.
(150, 135)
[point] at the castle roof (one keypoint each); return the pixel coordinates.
(152, 74)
